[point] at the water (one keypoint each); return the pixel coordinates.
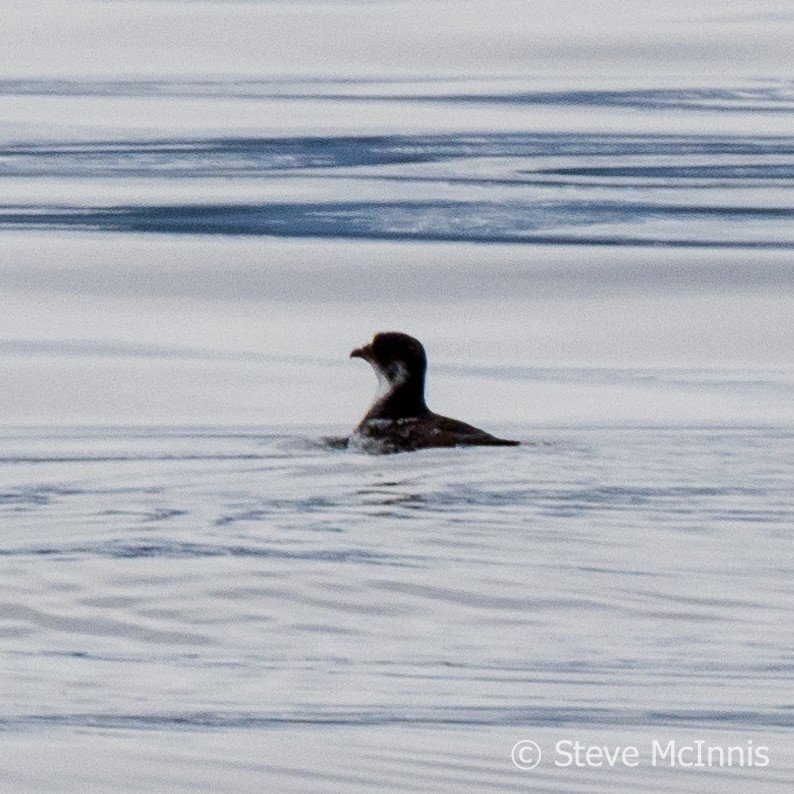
(587, 216)
(328, 618)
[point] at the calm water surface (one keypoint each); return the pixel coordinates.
(314, 618)
(587, 217)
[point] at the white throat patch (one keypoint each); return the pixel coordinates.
(388, 382)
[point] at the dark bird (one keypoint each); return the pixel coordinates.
(399, 419)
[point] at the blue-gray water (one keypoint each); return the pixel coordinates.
(587, 216)
(322, 619)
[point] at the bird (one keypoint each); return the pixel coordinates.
(399, 419)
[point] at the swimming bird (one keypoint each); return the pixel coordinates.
(399, 419)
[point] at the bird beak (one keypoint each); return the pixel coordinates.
(362, 352)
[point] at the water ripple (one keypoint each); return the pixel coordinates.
(777, 97)
(464, 716)
(549, 223)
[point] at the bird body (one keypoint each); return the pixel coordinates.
(399, 419)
